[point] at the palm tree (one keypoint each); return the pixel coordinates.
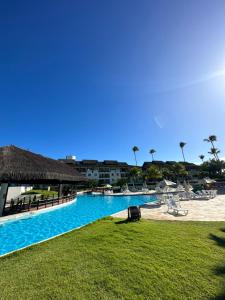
(214, 151)
(152, 152)
(135, 149)
(211, 139)
(202, 157)
(182, 144)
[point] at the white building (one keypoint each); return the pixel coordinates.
(105, 172)
(16, 190)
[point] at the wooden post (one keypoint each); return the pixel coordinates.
(17, 203)
(12, 204)
(29, 203)
(3, 197)
(60, 190)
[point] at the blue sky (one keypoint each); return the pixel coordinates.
(94, 78)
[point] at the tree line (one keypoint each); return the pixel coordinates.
(214, 167)
(213, 150)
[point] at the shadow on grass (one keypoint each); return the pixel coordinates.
(126, 221)
(220, 241)
(219, 270)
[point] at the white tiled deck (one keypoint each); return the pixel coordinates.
(198, 210)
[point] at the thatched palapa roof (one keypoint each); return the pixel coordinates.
(22, 166)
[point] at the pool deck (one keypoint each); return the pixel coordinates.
(198, 210)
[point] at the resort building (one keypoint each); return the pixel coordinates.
(105, 172)
(110, 171)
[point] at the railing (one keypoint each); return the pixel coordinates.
(27, 204)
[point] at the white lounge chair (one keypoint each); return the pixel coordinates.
(211, 193)
(202, 195)
(194, 196)
(185, 196)
(144, 188)
(125, 190)
(163, 198)
(160, 199)
(175, 208)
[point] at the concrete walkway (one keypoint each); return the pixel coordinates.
(198, 210)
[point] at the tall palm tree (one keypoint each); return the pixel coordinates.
(182, 144)
(214, 151)
(135, 149)
(212, 139)
(202, 157)
(152, 152)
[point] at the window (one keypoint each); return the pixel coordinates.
(104, 175)
(104, 170)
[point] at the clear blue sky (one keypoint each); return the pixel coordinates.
(94, 78)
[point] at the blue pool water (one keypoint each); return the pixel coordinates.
(18, 234)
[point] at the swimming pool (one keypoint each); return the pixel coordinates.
(17, 234)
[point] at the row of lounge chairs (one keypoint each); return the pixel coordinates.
(199, 195)
(173, 205)
(173, 200)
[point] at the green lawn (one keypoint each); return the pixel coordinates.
(118, 260)
(45, 193)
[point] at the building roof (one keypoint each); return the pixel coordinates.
(110, 162)
(95, 163)
(188, 166)
(89, 161)
(18, 165)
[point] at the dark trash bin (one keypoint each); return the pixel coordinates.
(134, 213)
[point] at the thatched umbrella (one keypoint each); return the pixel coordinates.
(166, 183)
(188, 187)
(165, 186)
(208, 180)
(22, 166)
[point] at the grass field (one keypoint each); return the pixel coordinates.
(45, 193)
(111, 259)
